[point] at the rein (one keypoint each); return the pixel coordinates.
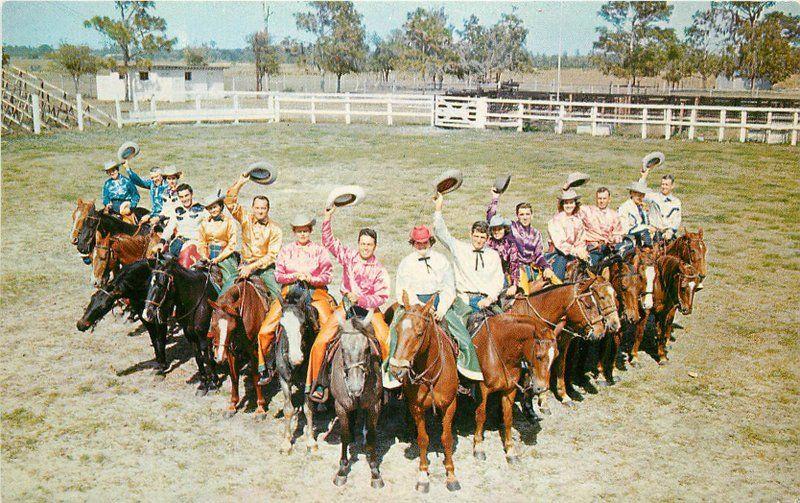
(555, 325)
(170, 283)
(422, 378)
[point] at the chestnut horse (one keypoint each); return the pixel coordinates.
(79, 214)
(114, 251)
(502, 343)
(691, 249)
(425, 362)
(675, 285)
(88, 221)
(235, 322)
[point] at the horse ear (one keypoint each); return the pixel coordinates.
(591, 274)
(429, 304)
(683, 229)
(606, 274)
(214, 305)
(700, 232)
(586, 285)
(406, 303)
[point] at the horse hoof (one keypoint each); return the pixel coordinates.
(453, 486)
(159, 376)
(424, 487)
(377, 483)
(512, 460)
(285, 449)
(339, 480)
(664, 362)
(201, 392)
(570, 404)
(479, 455)
(312, 447)
(228, 414)
(604, 384)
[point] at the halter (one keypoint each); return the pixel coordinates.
(422, 378)
(170, 282)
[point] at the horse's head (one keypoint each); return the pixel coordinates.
(152, 245)
(356, 353)
(299, 318)
(540, 354)
(102, 259)
(100, 304)
(696, 253)
(413, 330)
(85, 225)
(585, 312)
(605, 297)
(647, 257)
(79, 215)
(160, 293)
(630, 283)
(687, 282)
(225, 320)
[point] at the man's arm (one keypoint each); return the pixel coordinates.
(492, 209)
(496, 283)
(106, 194)
(442, 233)
(138, 180)
(339, 251)
(233, 239)
(232, 198)
(134, 193)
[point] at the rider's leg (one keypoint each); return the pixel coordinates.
(467, 357)
(381, 333)
(560, 264)
(315, 360)
(324, 304)
(266, 336)
(268, 276)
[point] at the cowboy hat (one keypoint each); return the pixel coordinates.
(498, 221)
(638, 186)
(213, 199)
(652, 160)
(262, 172)
(420, 234)
(575, 179)
(501, 183)
(109, 165)
(303, 220)
(171, 170)
(449, 181)
(345, 196)
(568, 194)
(128, 150)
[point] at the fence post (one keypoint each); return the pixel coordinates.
(235, 106)
(594, 120)
(560, 121)
(197, 107)
(692, 126)
(347, 108)
(313, 111)
(769, 127)
(135, 102)
(521, 112)
(119, 114)
(36, 112)
(277, 108)
(743, 128)
(435, 100)
(794, 129)
(722, 119)
(667, 123)
(644, 123)
(153, 108)
(389, 111)
(481, 109)
(79, 104)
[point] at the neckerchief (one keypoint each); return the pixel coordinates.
(478, 255)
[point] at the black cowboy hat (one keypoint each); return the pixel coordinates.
(262, 173)
(449, 181)
(501, 183)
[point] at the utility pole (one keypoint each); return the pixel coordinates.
(560, 42)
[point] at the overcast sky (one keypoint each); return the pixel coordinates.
(228, 23)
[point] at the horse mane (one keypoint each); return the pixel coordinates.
(550, 288)
(115, 225)
(126, 276)
(300, 297)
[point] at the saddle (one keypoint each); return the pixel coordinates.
(476, 320)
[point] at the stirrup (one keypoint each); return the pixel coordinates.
(319, 395)
(266, 377)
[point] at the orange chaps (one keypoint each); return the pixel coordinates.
(322, 302)
(329, 331)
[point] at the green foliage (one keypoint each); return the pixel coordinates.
(387, 53)
(429, 43)
(702, 45)
(78, 60)
(488, 52)
(196, 55)
(677, 64)
(266, 56)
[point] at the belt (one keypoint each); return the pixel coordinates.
(476, 293)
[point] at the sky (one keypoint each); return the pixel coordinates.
(228, 22)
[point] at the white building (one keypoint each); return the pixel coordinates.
(739, 84)
(165, 81)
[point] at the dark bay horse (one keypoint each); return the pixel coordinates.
(235, 321)
(502, 343)
(88, 221)
(675, 285)
(425, 362)
(186, 292)
(131, 283)
(113, 251)
(356, 385)
(691, 248)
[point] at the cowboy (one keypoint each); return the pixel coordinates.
(157, 187)
(365, 286)
(261, 236)
(602, 227)
(217, 240)
(529, 245)
(566, 233)
(501, 242)
(185, 226)
(425, 273)
(300, 261)
(633, 215)
(118, 188)
(169, 199)
(667, 205)
(478, 268)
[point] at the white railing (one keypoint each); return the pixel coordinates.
(236, 106)
(778, 125)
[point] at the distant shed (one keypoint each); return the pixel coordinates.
(165, 81)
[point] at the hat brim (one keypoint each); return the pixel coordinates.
(128, 150)
(262, 173)
(449, 181)
(345, 196)
(576, 180)
(109, 168)
(310, 223)
(208, 204)
(652, 160)
(501, 183)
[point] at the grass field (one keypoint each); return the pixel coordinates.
(81, 421)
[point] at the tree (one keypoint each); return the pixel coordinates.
(632, 48)
(196, 55)
(78, 60)
(506, 45)
(702, 45)
(267, 58)
(340, 47)
(387, 53)
(137, 32)
(429, 43)
(677, 65)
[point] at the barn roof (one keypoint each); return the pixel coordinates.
(174, 65)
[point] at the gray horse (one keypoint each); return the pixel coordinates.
(356, 385)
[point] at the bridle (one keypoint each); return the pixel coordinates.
(423, 378)
(577, 298)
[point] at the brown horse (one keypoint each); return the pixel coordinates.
(691, 248)
(79, 214)
(425, 362)
(502, 343)
(235, 322)
(648, 257)
(114, 251)
(675, 285)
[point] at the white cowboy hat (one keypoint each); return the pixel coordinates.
(639, 186)
(213, 199)
(172, 170)
(303, 220)
(262, 172)
(345, 196)
(128, 150)
(568, 194)
(498, 221)
(501, 183)
(109, 165)
(575, 179)
(652, 160)
(449, 181)
(155, 170)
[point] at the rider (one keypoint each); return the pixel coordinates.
(127, 214)
(261, 236)
(170, 199)
(633, 215)
(217, 239)
(365, 285)
(185, 225)
(667, 205)
(602, 226)
(478, 268)
(567, 233)
(423, 274)
(157, 187)
(501, 242)
(118, 188)
(302, 260)
(529, 245)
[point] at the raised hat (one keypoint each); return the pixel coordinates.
(575, 179)
(449, 181)
(128, 150)
(420, 234)
(501, 183)
(345, 196)
(652, 160)
(262, 172)
(109, 165)
(568, 194)
(639, 186)
(172, 170)
(214, 198)
(303, 220)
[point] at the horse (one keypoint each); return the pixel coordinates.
(236, 318)
(503, 342)
(425, 362)
(79, 214)
(297, 329)
(675, 286)
(131, 283)
(356, 385)
(93, 221)
(187, 292)
(691, 248)
(113, 251)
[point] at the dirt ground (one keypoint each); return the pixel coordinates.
(83, 420)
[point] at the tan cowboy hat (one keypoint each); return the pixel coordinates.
(303, 220)
(213, 199)
(639, 186)
(262, 172)
(501, 183)
(128, 150)
(568, 194)
(498, 221)
(575, 179)
(345, 196)
(171, 170)
(449, 181)
(109, 165)
(652, 160)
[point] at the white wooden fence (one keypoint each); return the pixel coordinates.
(773, 125)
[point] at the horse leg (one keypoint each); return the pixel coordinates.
(372, 435)
(346, 438)
(605, 364)
(288, 415)
(560, 369)
(161, 346)
(638, 334)
(480, 420)
(662, 336)
(202, 388)
(231, 411)
(261, 413)
(418, 413)
(508, 420)
(311, 442)
(447, 443)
